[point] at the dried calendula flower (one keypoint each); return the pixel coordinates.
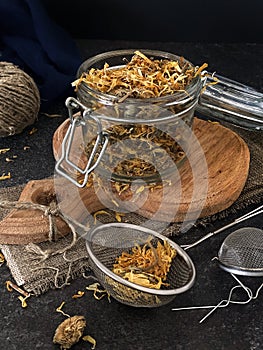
(153, 144)
(32, 131)
(52, 115)
(90, 339)
(10, 286)
(2, 259)
(69, 331)
(96, 290)
(4, 150)
(79, 294)
(59, 309)
(5, 176)
(118, 216)
(99, 212)
(129, 294)
(146, 265)
(142, 77)
(23, 300)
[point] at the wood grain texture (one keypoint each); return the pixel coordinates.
(22, 226)
(209, 181)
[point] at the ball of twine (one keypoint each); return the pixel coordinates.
(19, 100)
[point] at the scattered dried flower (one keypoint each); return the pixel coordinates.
(10, 286)
(78, 295)
(90, 339)
(118, 216)
(5, 177)
(59, 309)
(69, 332)
(52, 115)
(99, 212)
(32, 131)
(4, 150)
(146, 265)
(23, 300)
(2, 259)
(96, 290)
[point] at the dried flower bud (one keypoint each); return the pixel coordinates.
(69, 331)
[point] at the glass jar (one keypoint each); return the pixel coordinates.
(131, 139)
(124, 149)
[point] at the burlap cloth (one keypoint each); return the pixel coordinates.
(37, 275)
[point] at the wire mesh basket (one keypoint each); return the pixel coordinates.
(106, 242)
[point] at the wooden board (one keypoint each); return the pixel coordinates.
(208, 182)
(23, 226)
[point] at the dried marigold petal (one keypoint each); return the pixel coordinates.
(23, 300)
(78, 295)
(95, 288)
(146, 265)
(99, 212)
(91, 340)
(142, 77)
(4, 150)
(2, 259)
(32, 131)
(5, 177)
(59, 309)
(10, 286)
(119, 216)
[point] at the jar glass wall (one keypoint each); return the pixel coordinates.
(148, 137)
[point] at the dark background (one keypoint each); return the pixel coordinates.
(193, 29)
(167, 20)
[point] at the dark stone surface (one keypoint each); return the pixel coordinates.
(116, 326)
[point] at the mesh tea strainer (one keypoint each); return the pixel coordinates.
(106, 242)
(241, 253)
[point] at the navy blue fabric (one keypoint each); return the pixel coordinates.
(30, 39)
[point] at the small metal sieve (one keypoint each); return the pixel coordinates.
(241, 253)
(106, 242)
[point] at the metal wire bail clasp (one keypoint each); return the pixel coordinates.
(80, 119)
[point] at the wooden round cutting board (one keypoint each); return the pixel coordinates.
(208, 182)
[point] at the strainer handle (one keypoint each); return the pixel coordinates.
(231, 101)
(252, 213)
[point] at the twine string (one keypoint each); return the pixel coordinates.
(51, 211)
(19, 99)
